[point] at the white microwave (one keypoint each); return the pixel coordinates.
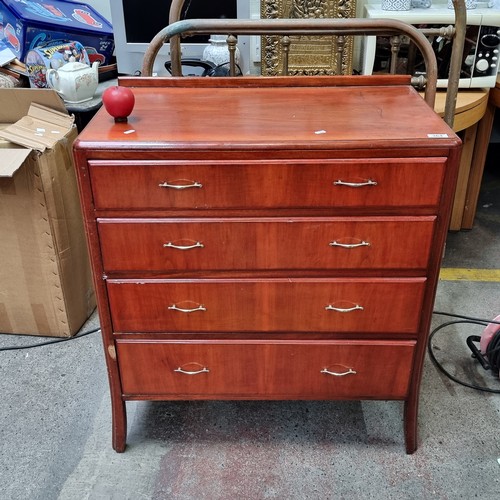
(480, 58)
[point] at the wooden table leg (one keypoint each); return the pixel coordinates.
(477, 166)
(463, 178)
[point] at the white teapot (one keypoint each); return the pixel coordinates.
(75, 82)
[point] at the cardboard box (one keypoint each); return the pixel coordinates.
(32, 23)
(45, 279)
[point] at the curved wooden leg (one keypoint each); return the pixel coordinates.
(410, 424)
(119, 432)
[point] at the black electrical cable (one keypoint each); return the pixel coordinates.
(494, 350)
(49, 342)
(451, 315)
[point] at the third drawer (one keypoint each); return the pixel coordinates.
(273, 305)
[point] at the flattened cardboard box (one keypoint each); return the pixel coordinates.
(45, 280)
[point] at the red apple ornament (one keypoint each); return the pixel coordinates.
(119, 102)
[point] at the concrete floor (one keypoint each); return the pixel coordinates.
(55, 422)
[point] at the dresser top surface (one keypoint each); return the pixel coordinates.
(280, 117)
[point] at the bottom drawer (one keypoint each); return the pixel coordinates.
(271, 370)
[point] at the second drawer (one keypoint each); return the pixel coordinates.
(265, 243)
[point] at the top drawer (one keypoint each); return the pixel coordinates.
(385, 182)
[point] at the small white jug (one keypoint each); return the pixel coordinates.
(75, 82)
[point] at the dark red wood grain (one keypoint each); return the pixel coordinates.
(266, 153)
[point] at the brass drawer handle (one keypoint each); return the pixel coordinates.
(350, 371)
(192, 184)
(349, 245)
(357, 307)
(183, 247)
(369, 182)
(185, 372)
(173, 307)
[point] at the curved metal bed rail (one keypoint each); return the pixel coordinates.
(288, 27)
(456, 61)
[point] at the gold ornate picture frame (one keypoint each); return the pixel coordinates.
(308, 55)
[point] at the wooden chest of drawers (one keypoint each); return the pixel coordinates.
(259, 241)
